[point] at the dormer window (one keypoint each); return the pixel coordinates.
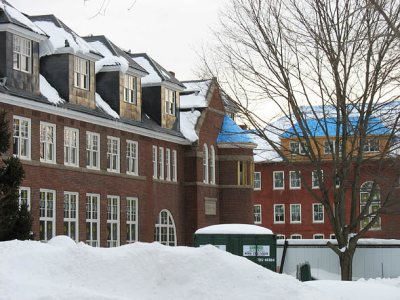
(130, 88)
(22, 54)
(170, 102)
(81, 73)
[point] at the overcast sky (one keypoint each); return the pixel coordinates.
(168, 30)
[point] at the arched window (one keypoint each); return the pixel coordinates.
(374, 201)
(212, 165)
(165, 232)
(205, 163)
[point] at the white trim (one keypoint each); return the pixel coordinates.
(135, 157)
(259, 213)
(296, 236)
(134, 222)
(154, 155)
(291, 215)
(93, 242)
(323, 213)
(91, 165)
(110, 155)
(212, 165)
(168, 164)
(26, 33)
(28, 198)
(113, 218)
(317, 236)
(205, 164)
(174, 165)
(290, 180)
(44, 214)
(168, 226)
(274, 214)
(312, 178)
(54, 151)
(77, 146)
(280, 237)
(72, 219)
(29, 146)
(259, 180)
(273, 180)
(161, 163)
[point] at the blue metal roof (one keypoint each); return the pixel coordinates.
(327, 127)
(232, 133)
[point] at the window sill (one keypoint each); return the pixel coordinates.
(278, 189)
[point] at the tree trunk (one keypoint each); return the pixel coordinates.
(346, 265)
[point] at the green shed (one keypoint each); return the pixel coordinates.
(256, 243)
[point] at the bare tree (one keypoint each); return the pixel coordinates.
(326, 66)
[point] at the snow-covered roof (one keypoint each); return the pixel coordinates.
(232, 133)
(12, 15)
(49, 92)
(61, 37)
(112, 55)
(195, 94)
(157, 74)
(233, 229)
(103, 105)
(188, 121)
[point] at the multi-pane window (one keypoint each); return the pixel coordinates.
(81, 73)
(205, 163)
(318, 236)
(373, 201)
(165, 232)
(330, 146)
(132, 157)
(278, 180)
(280, 236)
(161, 162)
(113, 221)
(168, 163)
(294, 179)
(297, 148)
(112, 154)
(174, 166)
(212, 165)
(24, 197)
(279, 213)
(22, 137)
(318, 213)
(296, 236)
(332, 236)
(47, 142)
(371, 145)
(47, 204)
(131, 220)
(155, 164)
(71, 146)
(22, 54)
(315, 179)
(257, 180)
(93, 220)
(257, 213)
(295, 213)
(71, 215)
(170, 102)
(92, 150)
(130, 88)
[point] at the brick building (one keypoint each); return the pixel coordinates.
(116, 149)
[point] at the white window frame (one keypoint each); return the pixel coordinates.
(169, 227)
(168, 164)
(48, 145)
(318, 212)
(132, 157)
(292, 221)
(205, 163)
(132, 222)
(161, 163)
(212, 165)
(257, 181)
(22, 138)
(279, 221)
(330, 146)
(22, 54)
(296, 236)
(71, 215)
(92, 219)
(155, 162)
(375, 204)
(314, 179)
(318, 236)
(170, 102)
(274, 173)
(26, 199)
(130, 89)
(113, 219)
(71, 147)
(370, 144)
(92, 161)
(81, 73)
(257, 213)
(47, 214)
(297, 149)
(280, 237)
(174, 166)
(291, 174)
(113, 154)
(332, 236)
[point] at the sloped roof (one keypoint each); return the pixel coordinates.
(195, 94)
(10, 15)
(232, 133)
(157, 73)
(113, 55)
(61, 37)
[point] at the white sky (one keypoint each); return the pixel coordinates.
(171, 31)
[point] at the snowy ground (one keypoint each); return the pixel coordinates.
(62, 269)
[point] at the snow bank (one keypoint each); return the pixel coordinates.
(103, 105)
(49, 92)
(62, 269)
(188, 121)
(234, 229)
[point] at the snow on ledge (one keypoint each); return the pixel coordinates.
(234, 229)
(49, 92)
(188, 121)
(103, 105)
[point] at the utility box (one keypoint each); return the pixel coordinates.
(256, 243)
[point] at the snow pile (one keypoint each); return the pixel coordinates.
(188, 121)
(109, 59)
(62, 269)
(58, 38)
(19, 17)
(198, 97)
(234, 229)
(153, 76)
(49, 92)
(103, 105)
